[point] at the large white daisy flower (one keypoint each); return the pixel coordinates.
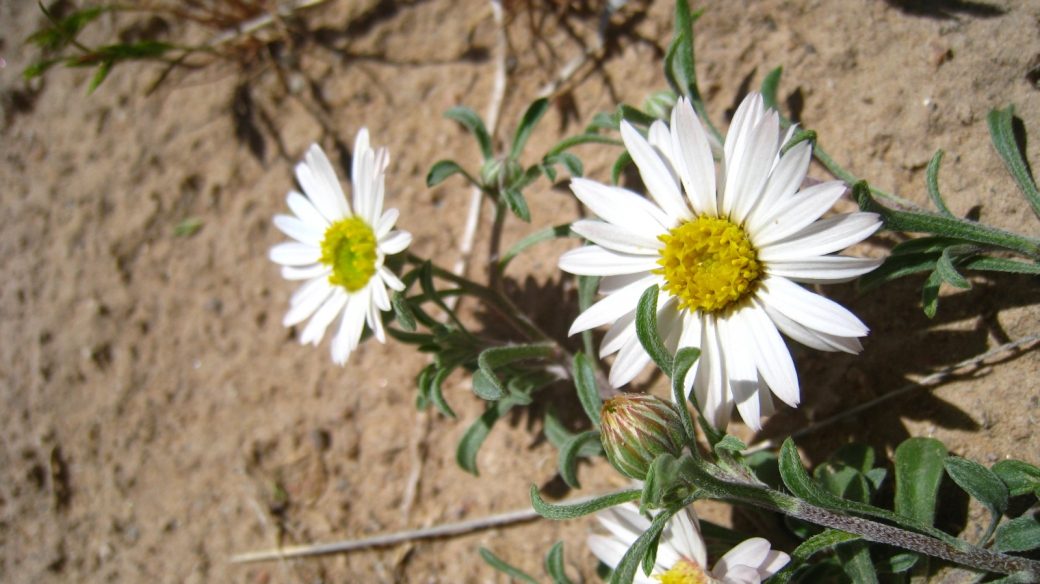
(339, 249)
(728, 255)
(682, 557)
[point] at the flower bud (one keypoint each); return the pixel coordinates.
(660, 104)
(500, 172)
(636, 429)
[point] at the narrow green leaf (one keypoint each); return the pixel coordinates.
(623, 160)
(949, 274)
(770, 85)
(647, 329)
(491, 359)
(568, 459)
(549, 171)
(473, 439)
(683, 362)
(531, 118)
(1001, 265)
(896, 563)
(586, 138)
(854, 557)
(472, 122)
(102, 72)
(588, 389)
(547, 234)
(684, 71)
(919, 471)
(797, 480)
(403, 314)
(138, 50)
(983, 485)
(436, 396)
(567, 160)
(554, 565)
(930, 294)
(634, 115)
(1001, 130)
(856, 455)
(650, 557)
(39, 68)
(580, 509)
(511, 571)
(920, 245)
(1019, 477)
(799, 137)
(187, 227)
(515, 200)
(809, 548)
(843, 481)
(897, 266)
(932, 180)
(442, 170)
(1018, 535)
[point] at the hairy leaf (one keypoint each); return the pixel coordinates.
(472, 122)
(579, 509)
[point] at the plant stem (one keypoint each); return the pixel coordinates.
(851, 179)
(494, 246)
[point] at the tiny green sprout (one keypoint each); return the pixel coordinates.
(188, 227)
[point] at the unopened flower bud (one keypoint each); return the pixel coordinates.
(500, 172)
(636, 429)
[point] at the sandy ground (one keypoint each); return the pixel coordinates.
(156, 417)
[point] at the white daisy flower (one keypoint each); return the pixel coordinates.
(339, 250)
(728, 255)
(682, 557)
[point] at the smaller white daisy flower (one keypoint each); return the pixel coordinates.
(682, 556)
(339, 249)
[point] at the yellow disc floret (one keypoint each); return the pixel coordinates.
(685, 572)
(708, 263)
(349, 247)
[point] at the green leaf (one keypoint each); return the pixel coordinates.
(586, 138)
(588, 389)
(403, 314)
(856, 455)
(919, 471)
(769, 88)
(426, 283)
(799, 137)
(579, 509)
(683, 362)
(810, 547)
(187, 227)
(1018, 535)
(1001, 265)
(896, 563)
(38, 68)
(932, 181)
(949, 274)
(930, 294)
(844, 481)
(58, 36)
(511, 571)
(472, 122)
(547, 234)
(1019, 477)
(491, 359)
(473, 439)
(554, 565)
(897, 266)
(436, 396)
(138, 50)
(766, 467)
(531, 118)
(797, 480)
(567, 160)
(1001, 130)
(625, 571)
(920, 245)
(623, 160)
(647, 329)
(681, 49)
(854, 557)
(549, 171)
(983, 485)
(442, 170)
(634, 115)
(515, 200)
(102, 72)
(568, 459)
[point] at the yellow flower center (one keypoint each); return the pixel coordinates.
(685, 572)
(708, 263)
(349, 247)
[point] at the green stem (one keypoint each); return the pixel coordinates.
(494, 246)
(851, 179)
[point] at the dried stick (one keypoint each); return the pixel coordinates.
(256, 23)
(933, 378)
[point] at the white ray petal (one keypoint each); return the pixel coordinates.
(298, 230)
(323, 172)
(593, 260)
(694, 162)
(324, 316)
(320, 196)
(610, 284)
(306, 300)
(784, 182)
(823, 237)
(375, 206)
(656, 176)
(739, 368)
(624, 522)
(772, 356)
(292, 253)
(364, 186)
(798, 212)
(390, 279)
(379, 296)
(686, 537)
(373, 317)
(382, 160)
(395, 242)
(618, 238)
(748, 113)
(619, 333)
(751, 553)
(713, 398)
(613, 307)
(305, 272)
(661, 141)
(809, 309)
(302, 207)
(811, 338)
(630, 361)
(823, 269)
(386, 223)
(361, 145)
(749, 170)
(620, 206)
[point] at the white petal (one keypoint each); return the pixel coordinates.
(610, 284)
(298, 230)
(739, 370)
(618, 238)
(613, 307)
(323, 172)
(321, 320)
(302, 207)
(374, 318)
(749, 170)
(395, 242)
(741, 575)
(661, 141)
(386, 223)
(748, 113)
(695, 165)
(364, 185)
(798, 212)
(292, 253)
(656, 176)
(361, 145)
(630, 361)
(773, 563)
(783, 183)
(306, 300)
(624, 522)
(607, 549)
(823, 237)
(772, 356)
(823, 269)
(320, 196)
(713, 398)
(687, 538)
(350, 327)
(305, 272)
(390, 279)
(379, 296)
(751, 553)
(691, 337)
(375, 206)
(382, 160)
(809, 309)
(810, 338)
(593, 260)
(618, 334)
(622, 207)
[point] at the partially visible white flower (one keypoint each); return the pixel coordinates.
(339, 249)
(682, 557)
(730, 255)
